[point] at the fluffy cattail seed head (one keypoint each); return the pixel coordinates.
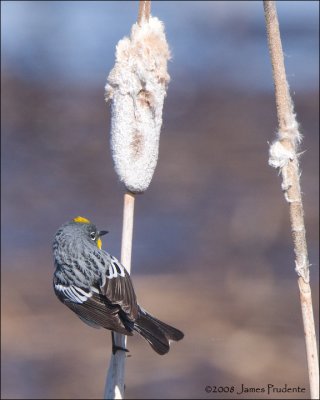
(137, 87)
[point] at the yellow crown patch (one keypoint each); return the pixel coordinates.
(81, 220)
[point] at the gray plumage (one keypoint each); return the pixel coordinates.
(95, 286)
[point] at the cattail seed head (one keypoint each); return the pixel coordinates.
(136, 87)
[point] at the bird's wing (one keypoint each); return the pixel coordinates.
(92, 307)
(118, 289)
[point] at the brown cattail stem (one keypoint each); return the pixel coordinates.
(115, 380)
(283, 155)
(144, 10)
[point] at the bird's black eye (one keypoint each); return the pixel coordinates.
(93, 235)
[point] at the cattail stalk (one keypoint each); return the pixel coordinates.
(144, 11)
(136, 88)
(114, 388)
(283, 155)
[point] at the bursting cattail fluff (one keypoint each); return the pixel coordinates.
(137, 86)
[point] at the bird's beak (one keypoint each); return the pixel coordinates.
(101, 233)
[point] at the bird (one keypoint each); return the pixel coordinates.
(98, 288)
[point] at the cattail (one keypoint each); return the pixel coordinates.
(283, 155)
(136, 88)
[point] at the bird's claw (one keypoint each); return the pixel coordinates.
(116, 348)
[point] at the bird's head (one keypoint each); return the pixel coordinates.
(89, 230)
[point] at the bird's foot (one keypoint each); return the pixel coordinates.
(116, 348)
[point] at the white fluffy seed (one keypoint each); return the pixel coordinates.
(137, 87)
(279, 156)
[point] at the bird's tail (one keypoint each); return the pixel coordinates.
(156, 332)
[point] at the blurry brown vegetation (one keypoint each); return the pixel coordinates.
(212, 251)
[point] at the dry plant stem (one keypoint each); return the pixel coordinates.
(285, 151)
(144, 10)
(114, 388)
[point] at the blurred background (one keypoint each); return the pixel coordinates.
(212, 250)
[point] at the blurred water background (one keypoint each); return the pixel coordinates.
(212, 252)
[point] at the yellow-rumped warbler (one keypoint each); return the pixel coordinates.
(95, 285)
